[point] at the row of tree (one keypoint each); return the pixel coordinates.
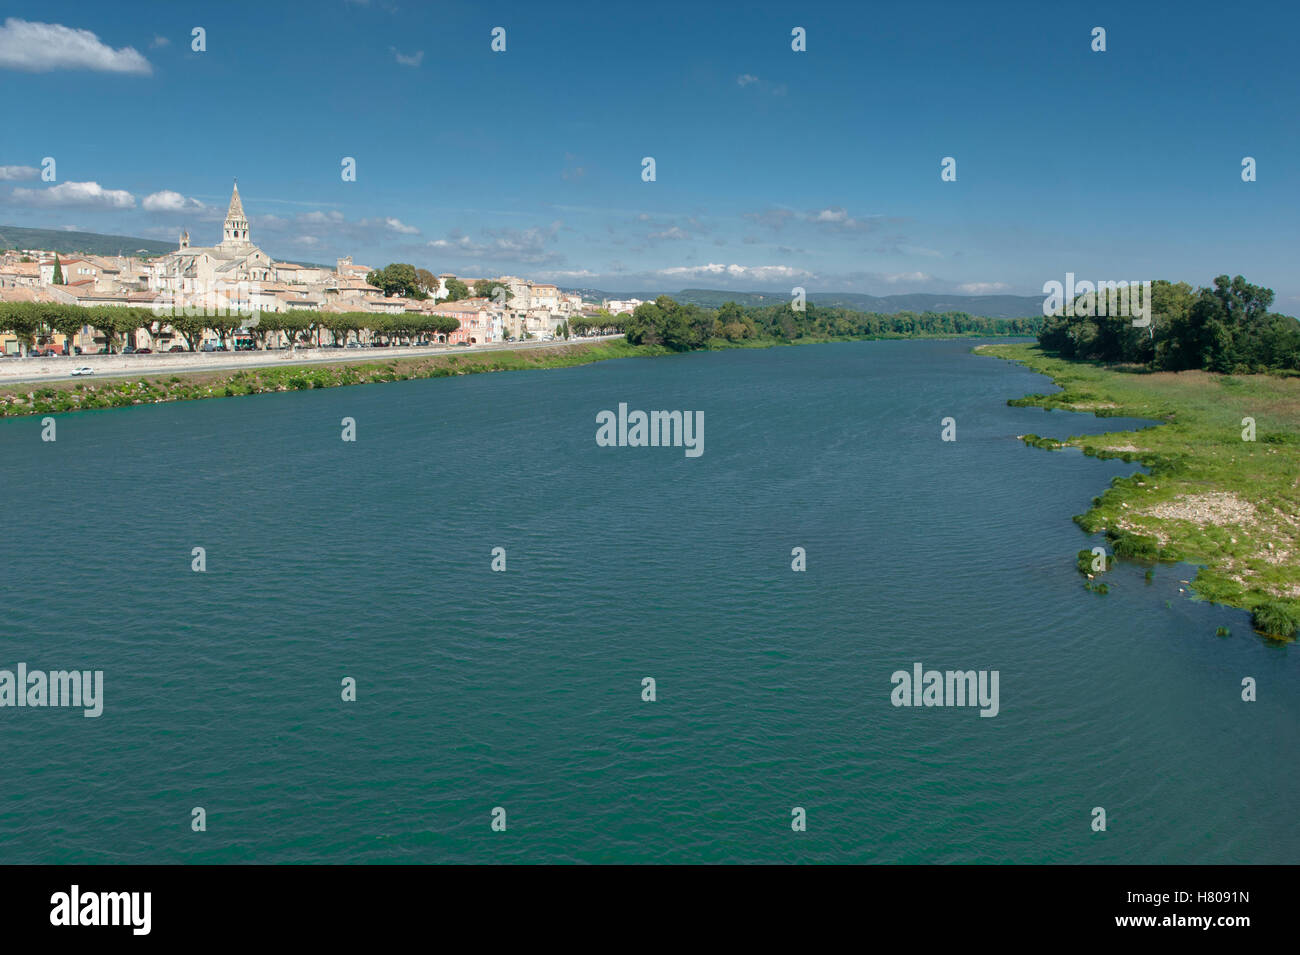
(33, 322)
(1225, 327)
(683, 326)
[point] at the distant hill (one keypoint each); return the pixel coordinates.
(985, 306)
(93, 243)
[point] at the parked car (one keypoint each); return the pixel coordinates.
(351, 345)
(466, 344)
(176, 348)
(144, 351)
(83, 370)
(128, 350)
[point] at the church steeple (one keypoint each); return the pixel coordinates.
(236, 228)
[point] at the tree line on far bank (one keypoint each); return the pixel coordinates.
(683, 326)
(1225, 327)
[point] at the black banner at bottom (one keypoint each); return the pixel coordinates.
(174, 904)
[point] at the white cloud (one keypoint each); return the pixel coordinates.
(18, 172)
(168, 201)
(744, 79)
(568, 274)
(412, 59)
(76, 194)
(836, 218)
(159, 41)
(321, 218)
(833, 218)
(392, 225)
(41, 47)
(676, 232)
(982, 288)
(512, 245)
(758, 273)
(893, 278)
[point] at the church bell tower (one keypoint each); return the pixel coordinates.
(236, 228)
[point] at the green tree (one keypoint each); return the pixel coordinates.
(427, 281)
(190, 327)
(456, 290)
(445, 324)
(58, 271)
(23, 320)
(486, 288)
(399, 278)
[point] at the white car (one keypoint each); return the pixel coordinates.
(83, 370)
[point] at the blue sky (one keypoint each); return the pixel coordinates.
(774, 168)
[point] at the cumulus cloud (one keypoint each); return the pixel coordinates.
(411, 59)
(167, 201)
(76, 194)
(982, 288)
(11, 173)
(42, 47)
(893, 278)
(744, 79)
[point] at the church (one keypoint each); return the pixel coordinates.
(198, 270)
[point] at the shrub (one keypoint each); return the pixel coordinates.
(1275, 620)
(1084, 559)
(1136, 546)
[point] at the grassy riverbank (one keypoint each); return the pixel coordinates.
(32, 398)
(1212, 498)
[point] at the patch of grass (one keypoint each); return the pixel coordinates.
(1211, 498)
(1085, 559)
